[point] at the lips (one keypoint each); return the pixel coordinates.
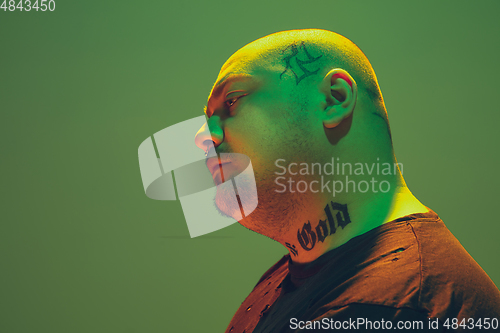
(214, 166)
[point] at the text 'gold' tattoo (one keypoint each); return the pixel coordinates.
(308, 237)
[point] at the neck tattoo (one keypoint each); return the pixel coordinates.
(336, 216)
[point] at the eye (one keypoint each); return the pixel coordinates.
(230, 102)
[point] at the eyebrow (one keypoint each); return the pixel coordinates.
(219, 88)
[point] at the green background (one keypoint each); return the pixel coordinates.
(82, 249)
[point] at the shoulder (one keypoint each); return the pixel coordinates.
(381, 268)
(280, 266)
(453, 284)
(416, 266)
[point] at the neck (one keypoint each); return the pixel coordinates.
(344, 218)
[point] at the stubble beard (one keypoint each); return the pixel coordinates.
(225, 201)
(275, 213)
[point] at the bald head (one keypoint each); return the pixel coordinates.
(305, 56)
(296, 65)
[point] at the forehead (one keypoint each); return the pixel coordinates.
(253, 60)
(237, 68)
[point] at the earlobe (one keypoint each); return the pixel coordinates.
(341, 97)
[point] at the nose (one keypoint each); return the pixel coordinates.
(210, 132)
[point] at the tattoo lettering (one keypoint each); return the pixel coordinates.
(331, 222)
(292, 248)
(307, 236)
(295, 50)
(342, 219)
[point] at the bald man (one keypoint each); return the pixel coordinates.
(364, 253)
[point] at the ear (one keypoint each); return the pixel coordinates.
(341, 94)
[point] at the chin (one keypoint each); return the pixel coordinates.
(226, 205)
(226, 200)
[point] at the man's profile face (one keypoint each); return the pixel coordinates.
(252, 112)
